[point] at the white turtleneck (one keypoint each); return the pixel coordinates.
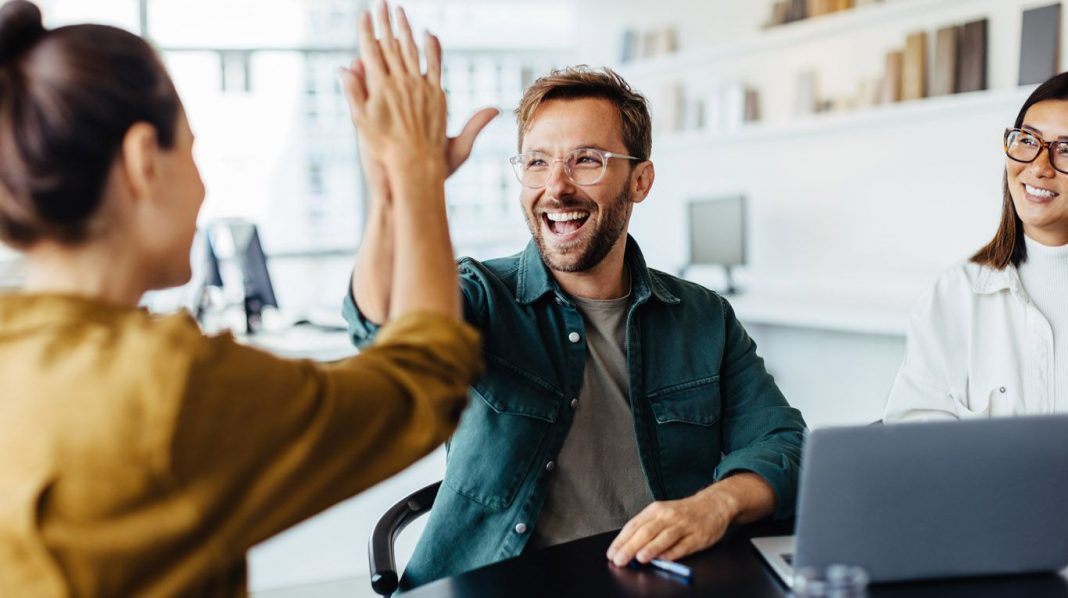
(1044, 276)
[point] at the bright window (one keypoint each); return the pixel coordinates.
(274, 139)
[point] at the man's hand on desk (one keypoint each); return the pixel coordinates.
(673, 529)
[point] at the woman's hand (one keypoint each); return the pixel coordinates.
(457, 149)
(398, 110)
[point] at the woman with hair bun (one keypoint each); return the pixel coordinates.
(141, 457)
(991, 337)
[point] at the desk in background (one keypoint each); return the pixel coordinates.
(732, 568)
(834, 352)
(304, 342)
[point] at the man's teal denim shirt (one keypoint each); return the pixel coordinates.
(704, 406)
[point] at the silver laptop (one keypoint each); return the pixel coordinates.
(931, 500)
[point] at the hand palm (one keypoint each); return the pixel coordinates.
(457, 150)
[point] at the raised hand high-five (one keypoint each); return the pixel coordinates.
(390, 64)
(457, 149)
(396, 108)
(399, 112)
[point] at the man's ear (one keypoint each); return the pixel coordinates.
(641, 181)
(140, 159)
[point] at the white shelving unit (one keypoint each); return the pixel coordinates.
(771, 60)
(886, 115)
(850, 214)
(832, 162)
(784, 37)
(870, 22)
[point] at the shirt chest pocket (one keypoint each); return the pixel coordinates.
(501, 433)
(688, 434)
(993, 400)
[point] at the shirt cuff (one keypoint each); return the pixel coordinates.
(779, 470)
(361, 330)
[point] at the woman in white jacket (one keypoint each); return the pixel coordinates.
(991, 337)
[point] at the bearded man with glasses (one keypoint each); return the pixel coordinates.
(616, 396)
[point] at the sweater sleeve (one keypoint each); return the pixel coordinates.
(261, 443)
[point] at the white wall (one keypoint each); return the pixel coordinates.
(858, 198)
(853, 209)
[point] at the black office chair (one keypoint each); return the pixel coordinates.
(384, 577)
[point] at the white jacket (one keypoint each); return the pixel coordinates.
(977, 347)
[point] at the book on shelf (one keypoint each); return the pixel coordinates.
(818, 8)
(892, 79)
(971, 57)
(752, 105)
(944, 74)
(805, 93)
(713, 117)
(647, 46)
(779, 11)
(695, 115)
(669, 111)
(914, 70)
(734, 106)
(630, 45)
(668, 41)
(866, 93)
(1040, 47)
(649, 43)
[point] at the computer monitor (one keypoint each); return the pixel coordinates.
(237, 243)
(212, 276)
(206, 275)
(717, 230)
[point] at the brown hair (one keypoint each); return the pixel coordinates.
(67, 98)
(1007, 246)
(577, 82)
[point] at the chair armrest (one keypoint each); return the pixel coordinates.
(384, 578)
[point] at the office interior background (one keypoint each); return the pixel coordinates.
(852, 204)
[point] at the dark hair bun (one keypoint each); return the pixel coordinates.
(20, 28)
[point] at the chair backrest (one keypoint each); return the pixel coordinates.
(382, 560)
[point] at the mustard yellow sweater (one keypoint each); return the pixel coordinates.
(140, 457)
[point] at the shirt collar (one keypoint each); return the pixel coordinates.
(535, 280)
(991, 280)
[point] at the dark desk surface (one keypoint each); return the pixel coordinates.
(732, 568)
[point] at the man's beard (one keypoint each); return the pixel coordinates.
(610, 228)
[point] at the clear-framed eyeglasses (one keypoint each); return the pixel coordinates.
(584, 166)
(1024, 146)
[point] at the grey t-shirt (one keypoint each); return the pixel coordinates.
(597, 484)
